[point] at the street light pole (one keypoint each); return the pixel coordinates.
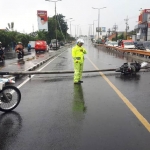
(93, 26)
(70, 27)
(77, 29)
(90, 29)
(55, 19)
(98, 17)
(66, 30)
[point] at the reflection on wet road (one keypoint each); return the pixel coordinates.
(10, 126)
(78, 101)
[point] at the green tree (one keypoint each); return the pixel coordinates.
(42, 35)
(61, 28)
(121, 36)
(10, 36)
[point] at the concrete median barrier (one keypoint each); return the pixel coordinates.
(10, 54)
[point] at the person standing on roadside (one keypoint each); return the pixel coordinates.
(78, 59)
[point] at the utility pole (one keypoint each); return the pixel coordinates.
(115, 28)
(127, 26)
(55, 18)
(99, 19)
(109, 32)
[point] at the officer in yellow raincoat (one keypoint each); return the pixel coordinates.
(78, 58)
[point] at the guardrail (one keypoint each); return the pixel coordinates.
(131, 51)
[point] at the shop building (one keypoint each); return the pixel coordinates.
(143, 27)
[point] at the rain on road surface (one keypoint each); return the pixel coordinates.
(107, 112)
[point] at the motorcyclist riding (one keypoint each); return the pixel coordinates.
(19, 48)
(1, 51)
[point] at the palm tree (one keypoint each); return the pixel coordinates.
(11, 26)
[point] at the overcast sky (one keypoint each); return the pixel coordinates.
(24, 13)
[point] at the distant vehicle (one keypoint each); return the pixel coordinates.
(143, 45)
(108, 43)
(147, 45)
(113, 43)
(61, 43)
(128, 44)
(32, 43)
(54, 44)
(99, 41)
(40, 46)
(139, 45)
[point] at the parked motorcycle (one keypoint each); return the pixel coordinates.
(133, 68)
(10, 96)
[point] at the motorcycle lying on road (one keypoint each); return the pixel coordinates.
(131, 69)
(10, 96)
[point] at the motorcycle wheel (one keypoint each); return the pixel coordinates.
(10, 97)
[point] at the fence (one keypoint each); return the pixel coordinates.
(140, 54)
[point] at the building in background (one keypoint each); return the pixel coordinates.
(42, 20)
(143, 26)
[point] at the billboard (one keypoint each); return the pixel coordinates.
(42, 20)
(148, 17)
(101, 29)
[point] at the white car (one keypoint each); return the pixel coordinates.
(128, 45)
(113, 43)
(108, 43)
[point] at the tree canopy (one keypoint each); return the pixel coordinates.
(9, 35)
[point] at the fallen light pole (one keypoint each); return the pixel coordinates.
(49, 72)
(55, 72)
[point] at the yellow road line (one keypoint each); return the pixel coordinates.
(125, 100)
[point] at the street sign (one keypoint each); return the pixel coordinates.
(100, 29)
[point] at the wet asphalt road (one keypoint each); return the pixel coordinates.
(106, 112)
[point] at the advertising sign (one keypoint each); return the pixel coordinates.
(147, 10)
(148, 17)
(42, 20)
(101, 29)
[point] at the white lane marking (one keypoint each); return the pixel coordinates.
(20, 85)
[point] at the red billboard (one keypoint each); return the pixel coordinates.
(42, 20)
(147, 10)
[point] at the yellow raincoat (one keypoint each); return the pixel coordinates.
(78, 58)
